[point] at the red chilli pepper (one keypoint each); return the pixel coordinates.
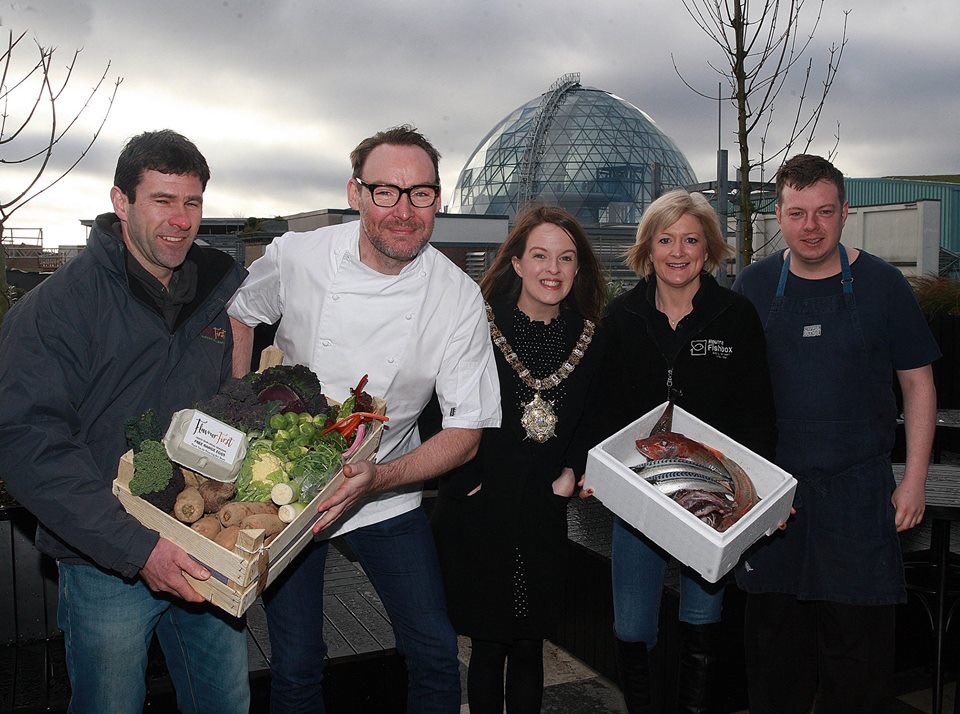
(350, 422)
(361, 385)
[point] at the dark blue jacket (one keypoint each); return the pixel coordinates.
(79, 355)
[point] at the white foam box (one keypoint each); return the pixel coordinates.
(668, 524)
(239, 576)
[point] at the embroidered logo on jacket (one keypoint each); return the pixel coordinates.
(714, 348)
(215, 334)
(812, 330)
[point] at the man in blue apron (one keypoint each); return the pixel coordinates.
(839, 324)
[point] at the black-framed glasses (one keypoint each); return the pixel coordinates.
(386, 195)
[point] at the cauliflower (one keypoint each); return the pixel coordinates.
(260, 472)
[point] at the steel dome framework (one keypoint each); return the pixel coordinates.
(593, 153)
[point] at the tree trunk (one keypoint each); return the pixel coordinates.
(743, 138)
(4, 288)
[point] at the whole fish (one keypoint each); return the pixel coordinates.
(697, 470)
(663, 443)
(711, 508)
(671, 475)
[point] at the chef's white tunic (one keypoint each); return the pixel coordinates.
(421, 330)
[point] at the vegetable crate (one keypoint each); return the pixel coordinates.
(666, 522)
(239, 576)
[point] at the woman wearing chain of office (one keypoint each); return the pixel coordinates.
(500, 520)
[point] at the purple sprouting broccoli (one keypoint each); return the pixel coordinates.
(237, 404)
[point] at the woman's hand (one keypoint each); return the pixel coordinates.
(584, 493)
(565, 483)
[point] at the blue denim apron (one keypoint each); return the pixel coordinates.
(835, 418)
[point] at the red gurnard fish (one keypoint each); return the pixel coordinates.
(664, 443)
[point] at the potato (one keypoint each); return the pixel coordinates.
(216, 494)
(228, 537)
(208, 526)
(189, 505)
(269, 522)
(232, 513)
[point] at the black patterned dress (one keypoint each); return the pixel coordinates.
(502, 549)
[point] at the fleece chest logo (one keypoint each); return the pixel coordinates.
(714, 348)
(215, 334)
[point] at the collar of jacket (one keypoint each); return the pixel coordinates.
(710, 300)
(213, 266)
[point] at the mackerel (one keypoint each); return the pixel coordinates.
(678, 475)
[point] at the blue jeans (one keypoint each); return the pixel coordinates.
(400, 558)
(638, 568)
(108, 624)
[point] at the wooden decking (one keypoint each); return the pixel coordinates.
(587, 627)
(361, 647)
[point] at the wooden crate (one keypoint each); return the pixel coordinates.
(238, 576)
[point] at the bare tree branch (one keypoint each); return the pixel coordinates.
(39, 91)
(761, 44)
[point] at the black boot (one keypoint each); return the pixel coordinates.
(633, 663)
(698, 677)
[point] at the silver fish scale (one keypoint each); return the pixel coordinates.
(685, 464)
(672, 475)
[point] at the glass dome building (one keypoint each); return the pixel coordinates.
(593, 153)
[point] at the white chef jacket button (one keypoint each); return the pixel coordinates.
(326, 343)
(336, 297)
(409, 316)
(389, 360)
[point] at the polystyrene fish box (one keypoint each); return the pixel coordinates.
(668, 524)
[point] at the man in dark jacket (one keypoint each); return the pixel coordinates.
(135, 322)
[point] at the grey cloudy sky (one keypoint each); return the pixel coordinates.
(277, 92)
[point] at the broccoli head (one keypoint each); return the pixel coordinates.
(155, 479)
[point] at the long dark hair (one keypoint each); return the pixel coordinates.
(501, 281)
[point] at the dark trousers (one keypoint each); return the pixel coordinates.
(399, 557)
(800, 653)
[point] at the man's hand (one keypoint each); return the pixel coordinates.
(359, 480)
(910, 502)
(164, 569)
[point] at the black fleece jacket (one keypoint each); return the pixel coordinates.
(714, 365)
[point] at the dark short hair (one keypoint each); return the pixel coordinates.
(663, 213)
(501, 281)
(165, 151)
(404, 135)
(805, 170)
